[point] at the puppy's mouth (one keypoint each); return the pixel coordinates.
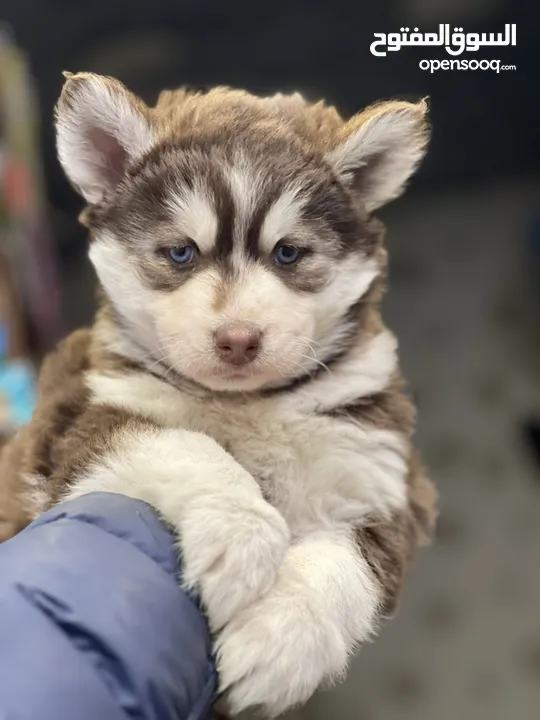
(238, 373)
(251, 369)
(215, 373)
(248, 376)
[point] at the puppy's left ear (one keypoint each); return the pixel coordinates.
(380, 148)
(100, 128)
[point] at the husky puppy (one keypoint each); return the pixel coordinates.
(238, 376)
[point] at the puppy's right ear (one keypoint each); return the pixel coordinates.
(380, 149)
(100, 128)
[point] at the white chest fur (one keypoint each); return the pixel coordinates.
(314, 468)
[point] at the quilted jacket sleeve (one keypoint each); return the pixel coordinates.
(93, 622)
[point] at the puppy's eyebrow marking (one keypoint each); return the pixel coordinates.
(282, 218)
(194, 211)
(245, 185)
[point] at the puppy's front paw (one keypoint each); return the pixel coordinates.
(232, 550)
(277, 652)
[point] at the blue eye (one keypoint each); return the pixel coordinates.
(183, 254)
(286, 254)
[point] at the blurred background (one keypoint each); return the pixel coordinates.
(465, 292)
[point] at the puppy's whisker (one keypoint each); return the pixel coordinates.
(317, 362)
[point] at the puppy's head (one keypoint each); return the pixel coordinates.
(230, 233)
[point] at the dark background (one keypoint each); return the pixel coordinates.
(464, 245)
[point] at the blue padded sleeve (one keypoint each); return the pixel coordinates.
(93, 622)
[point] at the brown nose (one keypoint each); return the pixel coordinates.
(238, 343)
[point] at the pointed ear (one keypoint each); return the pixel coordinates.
(380, 149)
(100, 128)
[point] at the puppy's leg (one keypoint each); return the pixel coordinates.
(232, 540)
(327, 599)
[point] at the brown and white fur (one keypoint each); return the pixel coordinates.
(291, 479)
